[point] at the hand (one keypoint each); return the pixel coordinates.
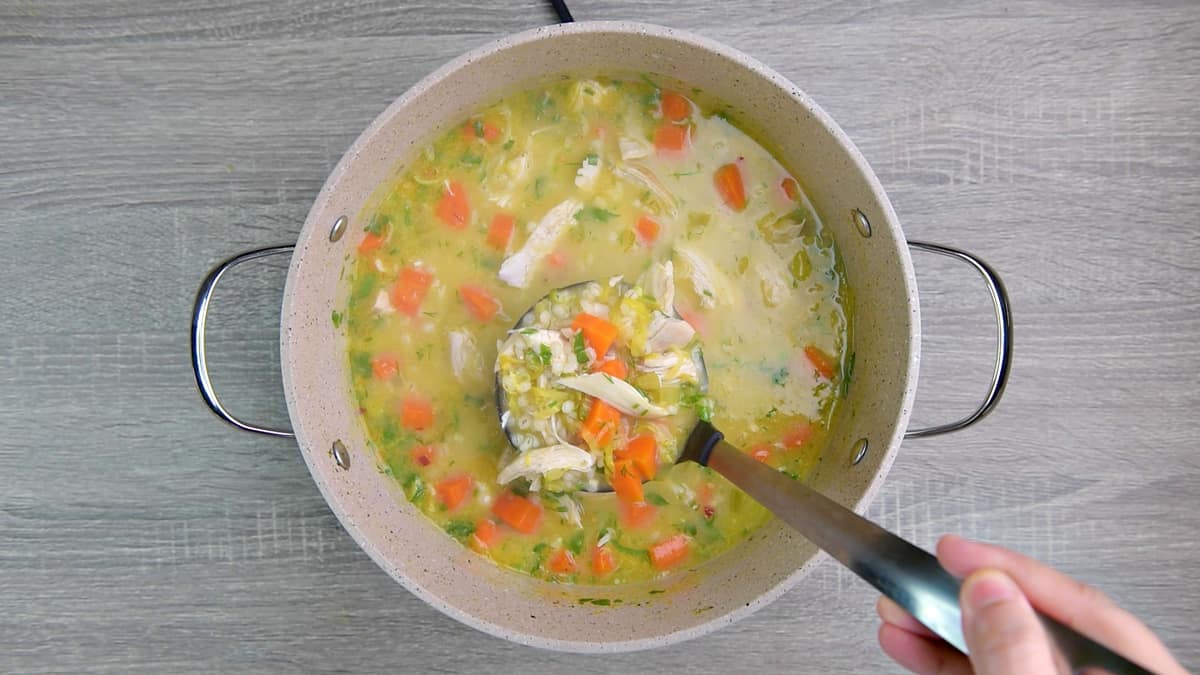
(1003, 634)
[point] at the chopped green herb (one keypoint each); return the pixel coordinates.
(594, 213)
(470, 159)
(629, 550)
(780, 377)
(360, 364)
(478, 128)
(687, 528)
(336, 317)
(656, 499)
(539, 187)
(847, 373)
(575, 543)
(460, 529)
(592, 158)
(377, 224)
(508, 144)
(545, 354)
(580, 350)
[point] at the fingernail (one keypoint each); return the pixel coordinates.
(988, 587)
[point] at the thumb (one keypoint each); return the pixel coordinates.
(1003, 634)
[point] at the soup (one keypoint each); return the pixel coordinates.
(642, 188)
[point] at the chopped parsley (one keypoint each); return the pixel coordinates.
(460, 529)
(594, 213)
(580, 350)
(545, 354)
(478, 125)
(470, 159)
(336, 317)
(780, 377)
(592, 159)
(656, 499)
(508, 144)
(575, 543)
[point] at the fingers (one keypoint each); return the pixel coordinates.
(1075, 604)
(1003, 634)
(920, 654)
(894, 614)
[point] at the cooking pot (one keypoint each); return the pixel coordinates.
(865, 433)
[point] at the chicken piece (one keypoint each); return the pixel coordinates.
(517, 269)
(464, 357)
(665, 333)
(670, 367)
(775, 280)
(711, 285)
(633, 149)
(536, 463)
(589, 171)
(562, 349)
(659, 282)
(617, 393)
(383, 304)
(645, 179)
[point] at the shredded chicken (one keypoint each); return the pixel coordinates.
(517, 269)
(534, 464)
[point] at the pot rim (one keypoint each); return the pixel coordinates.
(335, 177)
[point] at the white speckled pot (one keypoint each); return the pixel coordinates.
(471, 588)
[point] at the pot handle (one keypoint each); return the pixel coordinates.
(1004, 341)
(200, 319)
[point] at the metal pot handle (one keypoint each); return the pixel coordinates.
(1004, 344)
(200, 360)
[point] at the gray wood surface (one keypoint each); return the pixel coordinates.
(141, 143)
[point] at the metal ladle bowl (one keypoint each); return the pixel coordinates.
(527, 319)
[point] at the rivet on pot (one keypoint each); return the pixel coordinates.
(339, 228)
(858, 451)
(340, 454)
(861, 223)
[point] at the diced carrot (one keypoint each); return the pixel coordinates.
(675, 107)
(562, 562)
(556, 259)
(423, 455)
(481, 129)
(500, 231)
(486, 534)
(626, 481)
(599, 333)
(728, 181)
(791, 189)
(642, 452)
(602, 561)
(671, 138)
(452, 490)
(385, 366)
(453, 208)
(416, 413)
(761, 452)
(518, 512)
(600, 424)
(480, 304)
(647, 230)
(614, 367)
(637, 514)
(669, 552)
(370, 242)
(820, 361)
(797, 435)
(409, 291)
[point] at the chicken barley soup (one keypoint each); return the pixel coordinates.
(644, 229)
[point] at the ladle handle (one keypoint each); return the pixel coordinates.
(901, 571)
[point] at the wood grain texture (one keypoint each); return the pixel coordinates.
(140, 144)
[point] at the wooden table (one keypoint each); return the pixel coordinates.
(141, 144)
